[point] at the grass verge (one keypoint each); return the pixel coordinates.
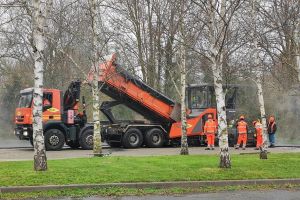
(118, 191)
(149, 169)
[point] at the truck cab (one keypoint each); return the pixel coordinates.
(62, 122)
(23, 116)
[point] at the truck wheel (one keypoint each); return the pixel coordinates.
(73, 145)
(54, 140)
(133, 138)
(86, 139)
(155, 138)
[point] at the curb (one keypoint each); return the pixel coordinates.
(156, 185)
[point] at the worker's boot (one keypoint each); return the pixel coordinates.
(237, 146)
(213, 147)
(207, 148)
(244, 147)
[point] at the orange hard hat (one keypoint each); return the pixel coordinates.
(242, 117)
(209, 116)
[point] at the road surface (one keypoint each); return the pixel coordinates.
(15, 154)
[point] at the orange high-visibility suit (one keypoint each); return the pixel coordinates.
(242, 128)
(259, 134)
(210, 128)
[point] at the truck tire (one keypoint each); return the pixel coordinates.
(86, 139)
(132, 138)
(54, 139)
(155, 138)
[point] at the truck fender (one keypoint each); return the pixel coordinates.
(54, 124)
(58, 125)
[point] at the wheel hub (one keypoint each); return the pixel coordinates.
(54, 140)
(156, 138)
(89, 140)
(133, 139)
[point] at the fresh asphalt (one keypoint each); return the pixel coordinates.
(15, 150)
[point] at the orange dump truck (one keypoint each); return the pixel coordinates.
(64, 124)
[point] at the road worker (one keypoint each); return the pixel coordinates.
(271, 131)
(259, 133)
(210, 128)
(242, 129)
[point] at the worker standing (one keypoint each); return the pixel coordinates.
(210, 128)
(242, 129)
(259, 133)
(271, 131)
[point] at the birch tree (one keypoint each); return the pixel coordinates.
(218, 16)
(297, 41)
(182, 60)
(40, 158)
(258, 81)
(97, 146)
(215, 55)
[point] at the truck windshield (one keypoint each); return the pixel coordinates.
(25, 100)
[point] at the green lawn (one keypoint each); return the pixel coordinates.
(158, 168)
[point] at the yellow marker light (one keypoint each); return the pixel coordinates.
(52, 109)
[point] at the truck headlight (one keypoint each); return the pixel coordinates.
(25, 133)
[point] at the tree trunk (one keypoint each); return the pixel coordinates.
(184, 145)
(216, 58)
(225, 161)
(97, 146)
(297, 47)
(263, 149)
(40, 158)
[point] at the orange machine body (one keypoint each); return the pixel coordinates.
(115, 79)
(194, 125)
(23, 115)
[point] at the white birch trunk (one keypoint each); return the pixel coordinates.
(297, 39)
(263, 149)
(40, 159)
(184, 144)
(225, 161)
(97, 146)
(216, 64)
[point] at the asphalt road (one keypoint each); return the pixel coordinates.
(15, 154)
(228, 195)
